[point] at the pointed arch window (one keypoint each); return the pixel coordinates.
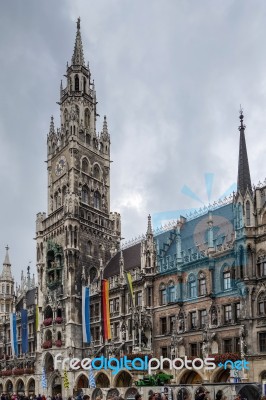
(96, 171)
(76, 83)
(248, 213)
(87, 118)
(85, 195)
(85, 165)
(93, 274)
(226, 279)
(192, 286)
(89, 247)
(239, 215)
(97, 200)
(84, 85)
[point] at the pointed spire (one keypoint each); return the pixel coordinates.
(6, 272)
(149, 228)
(78, 57)
(243, 179)
(105, 128)
(6, 260)
(52, 130)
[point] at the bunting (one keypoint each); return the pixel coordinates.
(86, 315)
(92, 383)
(37, 317)
(106, 327)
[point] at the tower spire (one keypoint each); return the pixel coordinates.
(6, 272)
(78, 57)
(243, 178)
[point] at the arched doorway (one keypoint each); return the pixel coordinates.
(191, 377)
(249, 392)
(31, 387)
(49, 363)
(183, 394)
(222, 376)
(56, 385)
(9, 387)
(82, 382)
(102, 381)
(112, 393)
(130, 394)
(96, 393)
(20, 387)
(124, 379)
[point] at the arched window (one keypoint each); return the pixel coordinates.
(76, 83)
(87, 118)
(192, 286)
(162, 294)
(7, 289)
(65, 117)
(97, 200)
(88, 139)
(85, 165)
(262, 304)
(85, 195)
(248, 213)
(96, 172)
(202, 284)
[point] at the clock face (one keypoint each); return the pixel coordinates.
(60, 166)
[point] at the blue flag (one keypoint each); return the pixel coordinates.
(24, 326)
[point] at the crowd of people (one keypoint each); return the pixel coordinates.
(200, 395)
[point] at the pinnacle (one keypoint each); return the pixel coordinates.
(78, 57)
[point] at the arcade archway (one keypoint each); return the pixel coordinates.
(9, 386)
(20, 387)
(222, 375)
(191, 378)
(112, 393)
(130, 393)
(56, 385)
(183, 394)
(102, 380)
(96, 393)
(249, 392)
(124, 379)
(82, 382)
(31, 387)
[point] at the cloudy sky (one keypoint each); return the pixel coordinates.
(170, 76)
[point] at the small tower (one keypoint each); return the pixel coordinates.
(6, 287)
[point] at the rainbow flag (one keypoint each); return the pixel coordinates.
(130, 287)
(106, 326)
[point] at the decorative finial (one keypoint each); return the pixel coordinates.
(7, 248)
(149, 229)
(52, 125)
(241, 117)
(78, 23)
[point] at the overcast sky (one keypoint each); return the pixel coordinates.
(169, 75)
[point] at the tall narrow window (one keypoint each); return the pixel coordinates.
(192, 286)
(85, 165)
(162, 295)
(248, 213)
(202, 285)
(87, 118)
(97, 200)
(96, 172)
(227, 280)
(84, 85)
(76, 83)
(85, 195)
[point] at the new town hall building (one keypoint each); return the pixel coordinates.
(199, 285)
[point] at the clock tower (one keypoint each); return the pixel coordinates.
(79, 234)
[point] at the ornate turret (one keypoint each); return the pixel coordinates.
(6, 286)
(243, 179)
